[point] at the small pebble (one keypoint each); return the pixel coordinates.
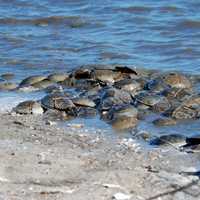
(50, 123)
(121, 196)
(7, 76)
(75, 125)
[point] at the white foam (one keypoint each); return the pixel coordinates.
(8, 100)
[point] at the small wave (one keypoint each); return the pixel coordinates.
(170, 9)
(189, 24)
(190, 52)
(135, 9)
(112, 55)
(12, 39)
(8, 100)
(72, 21)
(138, 19)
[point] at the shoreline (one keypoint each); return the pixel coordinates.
(44, 161)
(99, 100)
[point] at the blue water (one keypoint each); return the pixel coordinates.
(43, 36)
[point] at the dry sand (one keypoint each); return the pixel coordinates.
(44, 161)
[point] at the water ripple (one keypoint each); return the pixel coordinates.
(73, 21)
(147, 33)
(135, 9)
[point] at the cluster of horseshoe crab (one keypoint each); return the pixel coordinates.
(120, 95)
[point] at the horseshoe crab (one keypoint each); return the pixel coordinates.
(164, 122)
(57, 77)
(31, 80)
(176, 80)
(85, 102)
(7, 86)
(28, 107)
(168, 139)
(105, 75)
(43, 84)
(59, 102)
(124, 117)
(7, 76)
(156, 102)
(189, 109)
(128, 85)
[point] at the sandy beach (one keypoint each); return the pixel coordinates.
(40, 160)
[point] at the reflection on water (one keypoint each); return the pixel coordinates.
(59, 35)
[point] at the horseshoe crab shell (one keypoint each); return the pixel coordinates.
(176, 80)
(59, 102)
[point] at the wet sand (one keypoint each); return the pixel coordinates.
(43, 161)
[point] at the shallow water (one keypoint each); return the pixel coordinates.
(39, 37)
(8, 100)
(58, 35)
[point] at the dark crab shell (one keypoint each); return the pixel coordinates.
(176, 80)
(85, 102)
(58, 102)
(31, 80)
